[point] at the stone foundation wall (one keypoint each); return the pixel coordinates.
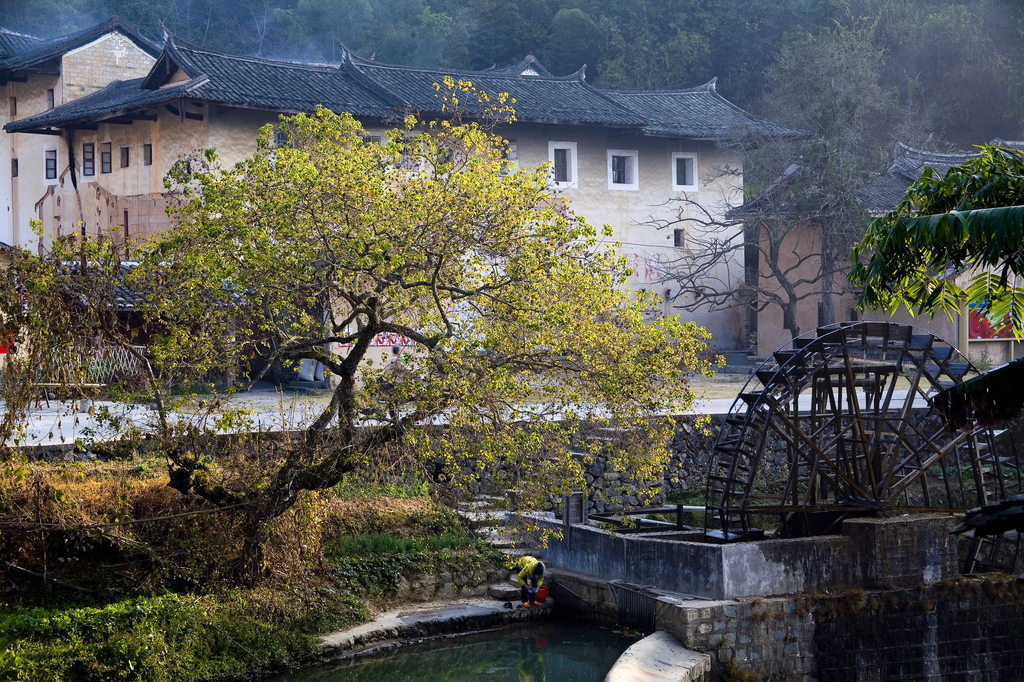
(967, 629)
(451, 584)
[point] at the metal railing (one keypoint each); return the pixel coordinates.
(568, 602)
(636, 608)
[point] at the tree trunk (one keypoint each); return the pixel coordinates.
(828, 303)
(250, 565)
(789, 318)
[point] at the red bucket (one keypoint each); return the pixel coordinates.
(542, 594)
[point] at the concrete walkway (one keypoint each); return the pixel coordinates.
(57, 423)
(660, 658)
(426, 620)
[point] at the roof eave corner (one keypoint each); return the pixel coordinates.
(162, 70)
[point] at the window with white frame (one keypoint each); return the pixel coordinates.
(51, 164)
(562, 156)
(684, 172)
(622, 169)
(89, 159)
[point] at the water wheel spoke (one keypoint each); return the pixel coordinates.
(841, 406)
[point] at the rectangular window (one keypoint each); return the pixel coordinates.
(622, 169)
(678, 238)
(619, 170)
(49, 98)
(371, 139)
(124, 157)
(14, 107)
(281, 139)
(51, 164)
(684, 172)
(561, 165)
(14, 168)
(88, 159)
(562, 156)
(147, 155)
(105, 161)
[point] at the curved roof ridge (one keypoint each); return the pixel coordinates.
(20, 35)
(527, 62)
(907, 149)
(180, 44)
(59, 45)
(351, 68)
(362, 61)
(705, 87)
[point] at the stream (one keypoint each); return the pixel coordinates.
(552, 651)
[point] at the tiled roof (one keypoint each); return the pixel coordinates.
(284, 86)
(697, 113)
(111, 101)
(549, 99)
(528, 66)
(222, 79)
(12, 43)
(55, 47)
(881, 192)
(374, 89)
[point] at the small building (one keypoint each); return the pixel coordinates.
(799, 257)
(123, 111)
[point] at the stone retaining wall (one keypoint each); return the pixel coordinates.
(953, 631)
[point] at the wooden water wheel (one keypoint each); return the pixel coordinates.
(848, 405)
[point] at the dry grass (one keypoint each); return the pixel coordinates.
(719, 386)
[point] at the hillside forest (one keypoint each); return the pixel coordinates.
(958, 65)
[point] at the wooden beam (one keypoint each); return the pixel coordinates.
(183, 114)
(128, 119)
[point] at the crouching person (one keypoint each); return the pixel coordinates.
(530, 577)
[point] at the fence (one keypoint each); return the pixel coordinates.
(90, 366)
(636, 608)
(568, 602)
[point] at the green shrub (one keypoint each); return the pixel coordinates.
(169, 638)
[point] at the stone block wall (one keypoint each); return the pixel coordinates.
(92, 67)
(450, 584)
(902, 551)
(954, 631)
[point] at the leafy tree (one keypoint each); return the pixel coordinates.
(803, 214)
(513, 320)
(951, 240)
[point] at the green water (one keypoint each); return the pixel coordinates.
(554, 651)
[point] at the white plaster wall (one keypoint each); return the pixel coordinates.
(233, 133)
(631, 212)
(30, 186)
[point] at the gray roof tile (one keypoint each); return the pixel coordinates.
(285, 86)
(697, 113)
(566, 99)
(109, 102)
(13, 44)
(55, 47)
(373, 89)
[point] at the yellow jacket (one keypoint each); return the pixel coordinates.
(526, 565)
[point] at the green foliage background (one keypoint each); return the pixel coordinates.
(930, 48)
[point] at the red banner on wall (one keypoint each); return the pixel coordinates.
(981, 327)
